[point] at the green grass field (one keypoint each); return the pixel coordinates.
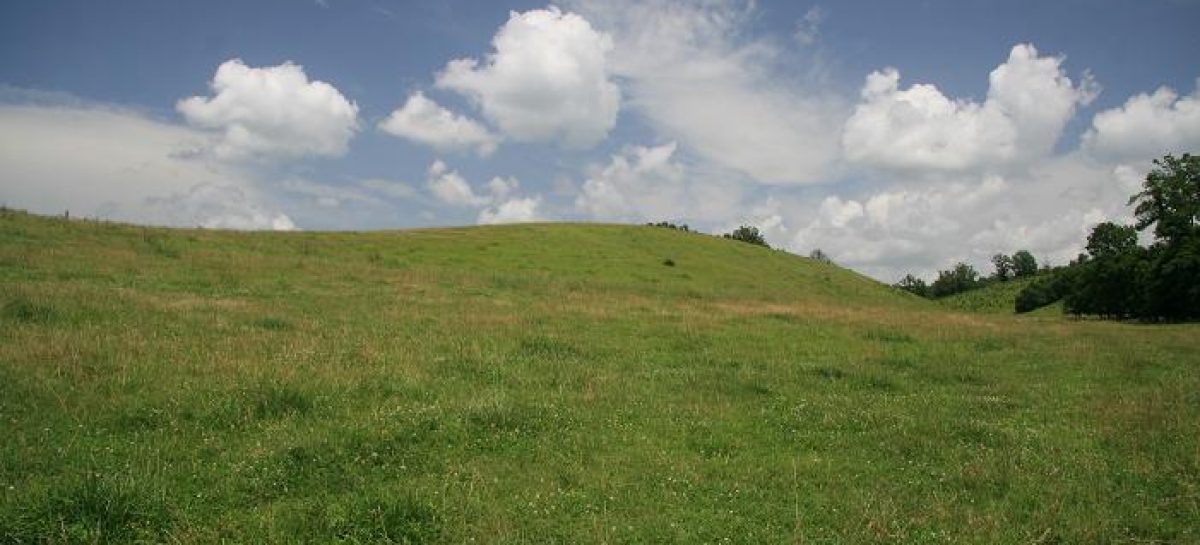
(560, 384)
(997, 298)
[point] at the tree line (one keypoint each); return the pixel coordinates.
(745, 233)
(963, 277)
(1115, 277)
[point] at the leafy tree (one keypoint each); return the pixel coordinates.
(1171, 287)
(1108, 282)
(666, 224)
(913, 285)
(1004, 267)
(1024, 264)
(1042, 292)
(962, 277)
(1109, 240)
(1170, 199)
(748, 234)
(819, 255)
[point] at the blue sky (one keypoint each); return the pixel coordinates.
(896, 136)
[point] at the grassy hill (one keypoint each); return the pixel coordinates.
(559, 384)
(996, 298)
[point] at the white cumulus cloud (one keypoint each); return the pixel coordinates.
(273, 111)
(515, 210)
(650, 183)
(425, 121)
(922, 224)
(546, 80)
(499, 204)
(1029, 102)
(698, 75)
(643, 182)
(1147, 126)
(109, 163)
(450, 188)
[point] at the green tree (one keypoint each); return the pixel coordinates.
(1109, 240)
(819, 255)
(748, 234)
(913, 285)
(962, 277)
(1024, 264)
(1043, 291)
(1170, 201)
(1109, 282)
(1004, 267)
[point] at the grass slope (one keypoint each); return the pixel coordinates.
(559, 384)
(996, 298)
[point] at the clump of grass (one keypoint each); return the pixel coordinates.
(884, 335)
(831, 373)
(279, 401)
(398, 518)
(141, 418)
(898, 361)
(271, 323)
(265, 402)
(543, 347)
(881, 383)
(92, 509)
(669, 262)
(506, 419)
(991, 344)
(26, 311)
(159, 245)
(785, 317)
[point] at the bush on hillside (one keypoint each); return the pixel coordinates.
(913, 285)
(1042, 292)
(961, 278)
(818, 255)
(668, 225)
(747, 234)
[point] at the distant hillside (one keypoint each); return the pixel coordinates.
(544, 258)
(995, 298)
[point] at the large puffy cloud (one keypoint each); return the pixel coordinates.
(920, 225)
(515, 210)
(115, 164)
(1029, 102)
(449, 187)
(691, 72)
(547, 79)
(273, 111)
(650, 183)
(423, 120)
(499, 204)
(1147, 126)
(642, 182)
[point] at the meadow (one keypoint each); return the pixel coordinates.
(560, 384)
